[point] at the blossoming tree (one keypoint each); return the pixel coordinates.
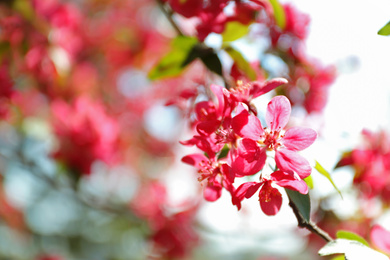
(90, 161)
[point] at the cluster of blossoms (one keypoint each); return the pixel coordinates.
(309, 80)
(371, 163)
(172, 235)
(235, 144)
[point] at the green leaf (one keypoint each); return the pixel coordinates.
(175, 61)
(224, 152)
(353, 250)
(234, 31)
(25, 8)
(302, 201)
(212, 62)
(325, 173)
(351, 236)
(241, 62)
(385, 30)
(339, 257)
(309, 182)
(280, 16)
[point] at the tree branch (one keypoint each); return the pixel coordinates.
(312, 227)
(168, 15)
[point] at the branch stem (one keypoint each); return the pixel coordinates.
(168, 15)
(309, 225)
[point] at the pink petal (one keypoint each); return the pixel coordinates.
(287, 160)
(218, 92)
(299, 138)
(205, 111)
(203, 144)
(241, 192)
(270, 199)
(248, 159)
(252, 190)
(247, 126)
(212, 192)
(380, 237)
(278, 112)
(227, 172)
(195, 159)
(287, 180)
(207, 127)
(262, 88)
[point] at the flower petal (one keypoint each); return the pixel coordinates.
(247, 126)
(278, 112)
(287, 160)
(299, 138)
(248, 159)
(195, 159)
(270, 199)
(207, 127)
(242, 191)
(287, 180)
(212, 192)
(380, 237)
(259, 89)
(218, 92)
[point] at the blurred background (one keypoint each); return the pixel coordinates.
(89, 128)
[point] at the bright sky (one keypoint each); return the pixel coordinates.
(346, 30)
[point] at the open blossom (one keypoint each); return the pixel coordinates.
(217, 174)
(172, 234)
(269, 197)
(258, 140)
(247, 92)
(371, 163)
(84, 126)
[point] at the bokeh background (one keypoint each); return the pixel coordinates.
(89, 143)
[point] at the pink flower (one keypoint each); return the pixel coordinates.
(211, 116)
(297, 23)
(85, 132)
(217, 174)
(285, 144)
(247, 92)
(269, 197)
(380, 237)
(371, 163)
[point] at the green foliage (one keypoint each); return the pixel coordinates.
(280, 16)
(224, 152)
(212, 62)
(353, 250)
(351, 236)
(234, 31)
(309, 182)
(25, 8)
(175, 61)
(385, 30)
(241, 62)
(302, 201)
(325, 173)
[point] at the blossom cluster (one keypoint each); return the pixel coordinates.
(309, 80)
(235, 144)
(371, 163)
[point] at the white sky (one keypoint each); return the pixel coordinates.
(341, 30)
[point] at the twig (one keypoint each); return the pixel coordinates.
(201, 47)
(168, 14)
(312, 227)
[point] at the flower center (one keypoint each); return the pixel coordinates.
(272, 139)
